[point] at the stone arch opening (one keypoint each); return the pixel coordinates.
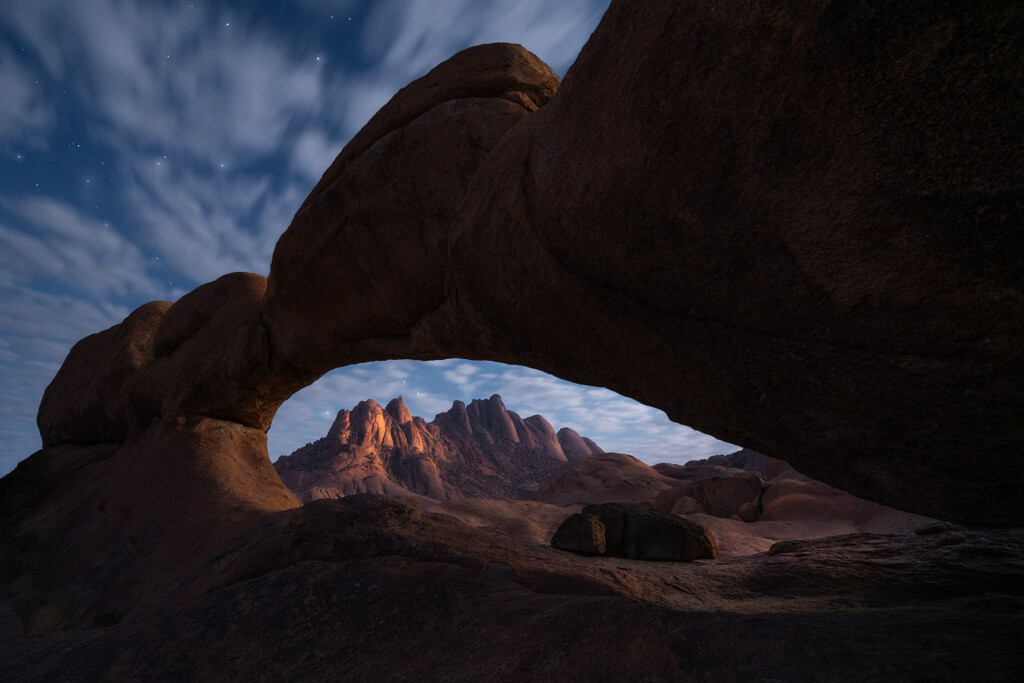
(788, 262)
(724, 254)
(615, 422)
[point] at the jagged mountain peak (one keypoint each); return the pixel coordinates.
(479, 450)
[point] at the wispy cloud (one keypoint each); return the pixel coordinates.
(63, 246)
(24, 113)
(203, 111)
(410, 37)
(177, 77)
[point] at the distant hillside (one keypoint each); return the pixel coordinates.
(481, 450)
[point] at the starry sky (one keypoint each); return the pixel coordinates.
(148, 147)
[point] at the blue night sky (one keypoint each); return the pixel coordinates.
(148, 147)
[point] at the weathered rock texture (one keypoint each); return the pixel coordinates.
(622, 530)
(798, 223)
(477, 451)
(793, 225)
(371, 587)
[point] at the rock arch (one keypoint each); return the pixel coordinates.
(795, 227)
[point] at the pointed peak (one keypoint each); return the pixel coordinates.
(458, 416)
(397, 409)
(367, 406)
(340, 425)
(368, 403)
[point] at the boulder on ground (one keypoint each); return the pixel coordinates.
(626, 531)
(581, 534)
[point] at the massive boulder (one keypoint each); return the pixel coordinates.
(621, 530)
(602, 478)
(793, 226)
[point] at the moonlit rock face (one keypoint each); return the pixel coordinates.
(573, 444)
(810, 272)
(491, 414)
(820, 260)
(465, 452)
(396, 408)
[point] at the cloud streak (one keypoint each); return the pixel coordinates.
(24, 114)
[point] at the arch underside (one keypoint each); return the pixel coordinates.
(791, 244)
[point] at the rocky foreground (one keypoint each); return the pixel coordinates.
(372, 588)
(810, 583)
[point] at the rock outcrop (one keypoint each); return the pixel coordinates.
(747, 500)
(621, 530)
(481, 450)
(372, 587)
(602, 478)
(792, 225)
(821, 255)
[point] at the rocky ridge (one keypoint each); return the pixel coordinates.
(481, 450)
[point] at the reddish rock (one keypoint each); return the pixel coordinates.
(727, 497)
(801, 317)
(746, 512)
(397, 409)
(390, 197)
(792, 226)
(573, 445)
(481, 451)
(367, 589)
(602, 478)
(822, 261)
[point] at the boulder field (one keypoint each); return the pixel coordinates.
(793, 225)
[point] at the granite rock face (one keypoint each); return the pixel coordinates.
(748, 500)
(478, 451)
(820, 203)
(792, 225)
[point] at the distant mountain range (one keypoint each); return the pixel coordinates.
(481, 450)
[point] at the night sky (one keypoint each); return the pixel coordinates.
(148, 147)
